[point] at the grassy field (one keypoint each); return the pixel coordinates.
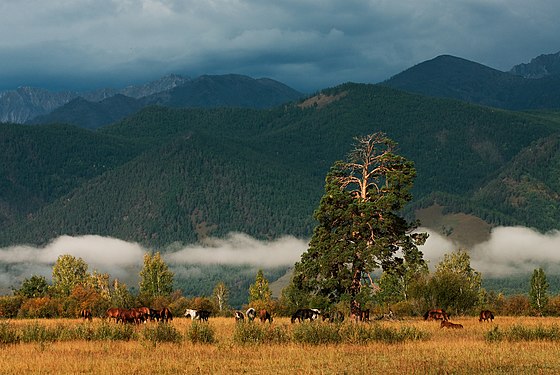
(444, 351)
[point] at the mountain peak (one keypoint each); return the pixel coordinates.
(539, 67)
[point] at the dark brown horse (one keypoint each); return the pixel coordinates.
(264, 316)
(165, 315)
(486, 316)
(447, 324)
(86, 314)
(436, 314)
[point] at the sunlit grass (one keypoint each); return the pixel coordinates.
(443, 351)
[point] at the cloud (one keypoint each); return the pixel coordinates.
(307, 44)
(241, 249)
(509, 251)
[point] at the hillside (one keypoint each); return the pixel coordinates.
(452, 77)
(190, 173)
(203, 92)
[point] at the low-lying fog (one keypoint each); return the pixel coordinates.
(509, 251)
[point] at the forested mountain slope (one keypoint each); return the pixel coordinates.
(452, 77)
(189, 173)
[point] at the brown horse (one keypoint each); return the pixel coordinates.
(113, 313)
(446, 324)
(165, 315)
(436, 314)
(486, 316)
(264, 316)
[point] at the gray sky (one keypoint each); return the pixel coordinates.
(307, 44)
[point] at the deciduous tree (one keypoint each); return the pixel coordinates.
(69, 271)
(156, 279)
(538, 294)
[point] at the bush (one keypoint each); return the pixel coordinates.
(161, 333)
(360, 334)
(36, 332)
(202, 333)
(316, 333)
(9, 306)
(494, 335)
(8, 334)
(253, 333)
(521, 333)
(114, 332)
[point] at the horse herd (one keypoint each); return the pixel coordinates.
(143, 314)
(440, 314)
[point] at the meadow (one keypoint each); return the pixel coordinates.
(477, 348)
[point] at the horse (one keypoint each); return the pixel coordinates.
(146, 313)
(113, 313)
(251, 314)
(86, 314)
(129, 316)
(436, 314)
(165, 315)
(486, 315)
(198, 314)
(447, 324)
(264, 316)
(239, 317)
(154, 315)
(302, 314)
(360, 315)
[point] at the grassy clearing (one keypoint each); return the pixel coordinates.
(219, 351)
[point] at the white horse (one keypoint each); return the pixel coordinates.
(193, 314)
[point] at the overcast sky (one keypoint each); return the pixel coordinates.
(307, 44)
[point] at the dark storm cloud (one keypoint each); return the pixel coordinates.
(306, 44)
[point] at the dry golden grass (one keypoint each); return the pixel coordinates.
(445, 351)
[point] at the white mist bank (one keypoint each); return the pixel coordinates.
(510, 250)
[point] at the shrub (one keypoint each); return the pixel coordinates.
(494, 335)
(8, 334)
(9, 306)
(114, 332)
(161, 333)
(202, 333)
(360, 334)
(248, 333)
(316, 333)
(36, 332)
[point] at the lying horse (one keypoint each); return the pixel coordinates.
(436, 314)
(486, 315)
(447, 324)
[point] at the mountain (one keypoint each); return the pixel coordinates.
(204, 92)
(453, 77)
(539, 67)
(17, 106)
(180, 175)
(21, 105)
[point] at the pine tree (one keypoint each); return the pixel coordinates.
(359, 228)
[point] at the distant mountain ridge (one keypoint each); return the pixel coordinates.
(453, 77)
(207, 91)
(25, 103)
(539, 67)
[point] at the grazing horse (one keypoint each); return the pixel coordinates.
(113, 313)
(436, 314)
(86, 314)
(447, 324)
(264, 316)
(165, 315)
(154, 315)
(251, 314)
(145, 312)
(301, 314)
(239, 317)
(486, 315)
(198, 314)
(129, 316)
